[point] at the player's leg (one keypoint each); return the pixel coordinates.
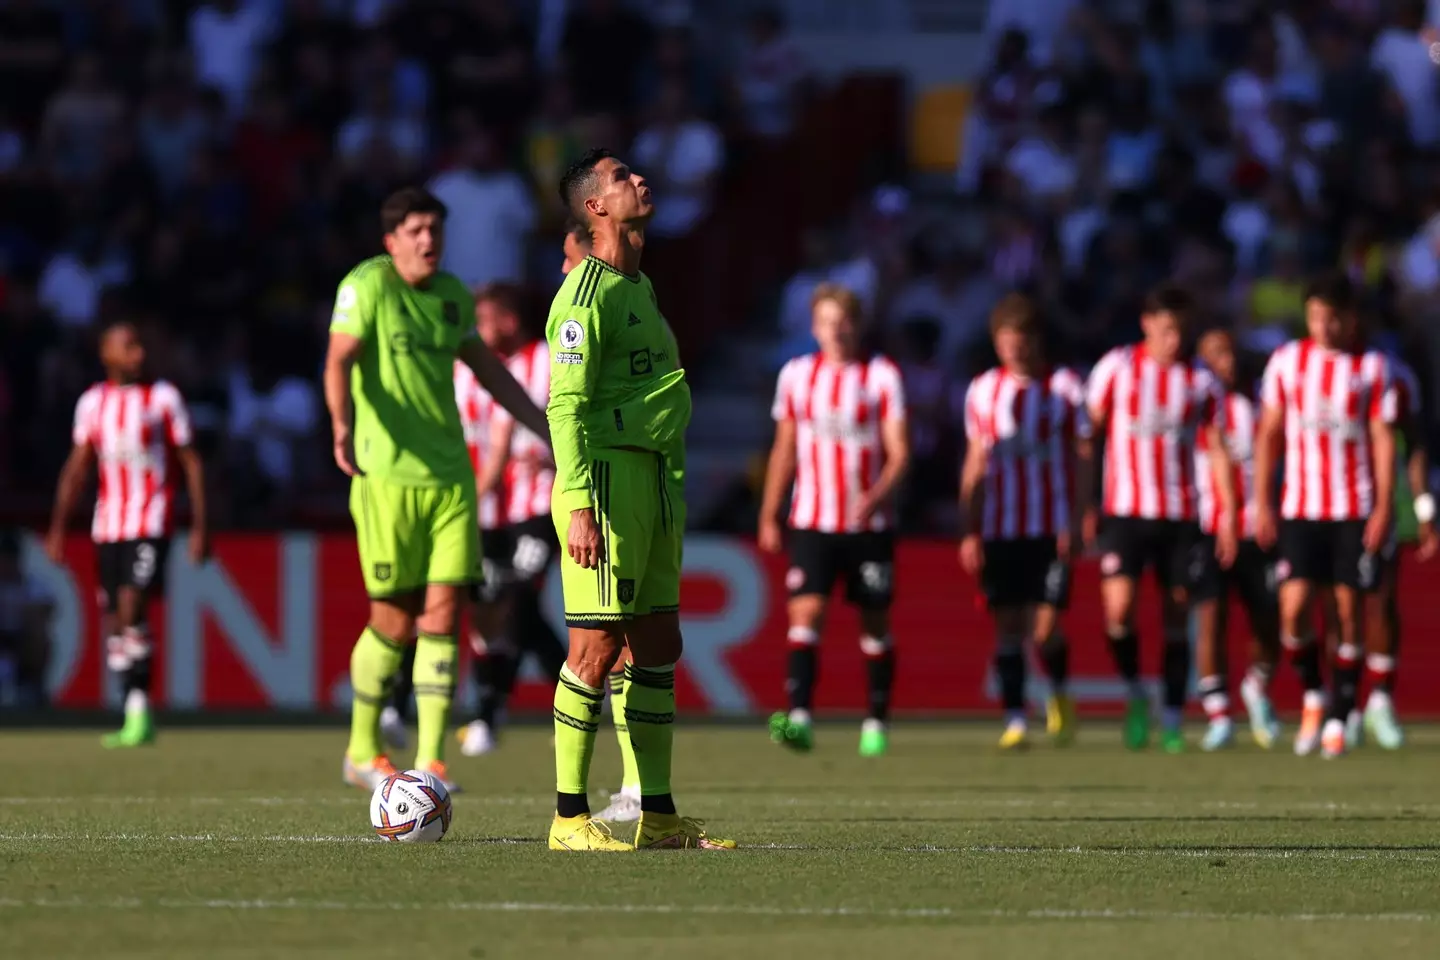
(392, 554)
(624, 805)
(494, 653)
(1303, 566)
(139, 576)
(814, 566)
(870, 586)
(400, 707)
(1355, 575)
(597, 605)
(1210, 596)
(1051, 596)
(449, 517)
(1124, 554)
(1180, 562)
(1003, 581)
(1254, 579)
(1381, 629)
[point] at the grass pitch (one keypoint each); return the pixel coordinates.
(231, 843)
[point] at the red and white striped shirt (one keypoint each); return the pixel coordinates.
(838, 410)
(1328, 399)
(477, 412)
(1154, 413)
(135, 430)
(530, 472)
(1238, 431)
(1028, 428)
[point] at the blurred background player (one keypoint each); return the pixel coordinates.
(1251, 577)
(1382, 612)
(1331, 403)
(624, 803)
(399, 324)
(1149, 402)
(26, 610)
(1028, 435)
(619, 407)
(840, 435)
(519, 545)
(135, 430)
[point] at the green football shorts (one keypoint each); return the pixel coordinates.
(413, 536)
(641, 513)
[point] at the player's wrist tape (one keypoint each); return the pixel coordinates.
(1425, 508)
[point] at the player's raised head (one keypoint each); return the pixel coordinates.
(599, 188)
(1164, 319)
(498, 310)
(121, 352)
(576, 244)
(1216, 350)
(1015, 326)
(1332, 311)
(835, 319)
(413, 221)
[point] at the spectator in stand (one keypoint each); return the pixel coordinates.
(226, 37)
(25, 612)
(771, 78)
(681, 155)
(956, 295)
(675, 59)
(379, 120)
(1277, 298)
(1402, 56)
(491, 215)
(32, 52)
(79, 122)
(173, 130)
(603, 38)
(553, 137)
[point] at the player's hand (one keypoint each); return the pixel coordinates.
(1090, 528)
(199, 546)
(582, 541)
(972, 555)
(55, 546)
(1377, 529)
(1227, 545)
(1426, 541)
(863, 509)
(1265, 531)
(345, 455)
(769, 538)
(1063, 544)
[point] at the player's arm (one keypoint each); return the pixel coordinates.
(1383, 415)
(67, 490)
(497, 455)
(779, 475)
(972, 499)
(894, 443)
(576, 353)
(181, 438)
(1082, 452)
(351, 325)
(497, 379)
(1098, 404)
(1269, 435)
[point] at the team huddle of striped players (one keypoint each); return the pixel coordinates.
(1159, 462)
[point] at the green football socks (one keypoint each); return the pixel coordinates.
(373, 663)
(629, 775)
(650, 715)
(577, 719)
(434, 679)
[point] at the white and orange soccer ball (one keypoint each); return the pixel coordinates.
(411, 807)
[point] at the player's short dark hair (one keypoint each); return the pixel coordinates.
(578, 182)
(1335, 289)
(405, 201)
(507, 296)
(1170, 298)
(1017, 312)
(577, 229)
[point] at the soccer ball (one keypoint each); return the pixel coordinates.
(413, 807)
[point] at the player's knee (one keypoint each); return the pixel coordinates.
(129, 606)
(655, 639)
(807, 611)
(875, 623)
(593, 653)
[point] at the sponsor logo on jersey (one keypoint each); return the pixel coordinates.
(640, 362)
(571, 334)
(573, 358)
(633, 321)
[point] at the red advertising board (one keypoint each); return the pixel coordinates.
(269, 624)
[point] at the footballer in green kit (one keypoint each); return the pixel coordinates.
(400, 323)
(619, 406)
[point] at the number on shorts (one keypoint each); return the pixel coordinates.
(143, 570)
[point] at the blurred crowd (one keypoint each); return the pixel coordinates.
(211, 168)
(1238, 147)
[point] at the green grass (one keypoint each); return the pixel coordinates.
(231, 843)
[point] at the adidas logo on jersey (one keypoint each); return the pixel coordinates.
(634, 321)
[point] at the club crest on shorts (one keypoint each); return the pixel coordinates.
(383, 571)
(625, 590)
(571, 334)
(1110, 564)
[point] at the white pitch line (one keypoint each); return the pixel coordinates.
(756, 910)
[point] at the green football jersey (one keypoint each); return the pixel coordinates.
(615, 375)
(407, 426)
